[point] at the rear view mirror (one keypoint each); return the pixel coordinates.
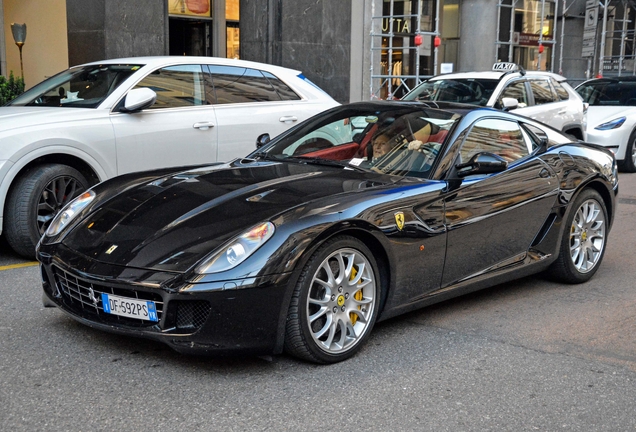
(262, 140)
(139, 99)
(482, 163)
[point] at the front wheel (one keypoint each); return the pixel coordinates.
(584, 239)
(34, 200)
(629, 163)
(335, 302)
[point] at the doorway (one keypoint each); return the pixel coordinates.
(190, 37)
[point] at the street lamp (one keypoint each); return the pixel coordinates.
(19, 36)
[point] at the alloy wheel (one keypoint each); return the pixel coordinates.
(55, 195)
(587, 236)
(341, 301)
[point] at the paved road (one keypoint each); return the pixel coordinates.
(530, 355)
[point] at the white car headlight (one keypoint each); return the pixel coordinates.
(613, 124)
(236, 251)
(69, 212)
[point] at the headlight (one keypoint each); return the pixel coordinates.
(237, 250)
(69, 212)
(616, 123)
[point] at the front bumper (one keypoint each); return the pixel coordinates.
(193, 318)
(614, 140)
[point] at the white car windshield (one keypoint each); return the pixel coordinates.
(465, 90)
(80, 87)
(611, 92)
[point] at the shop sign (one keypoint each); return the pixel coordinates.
(399, 25)
(189, 7)
(528, 39)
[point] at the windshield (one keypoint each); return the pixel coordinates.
(81, 87)
(609, 93)
(396, 140)
(467, 90)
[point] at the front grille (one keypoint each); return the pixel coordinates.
(86, 297)
(191, 315)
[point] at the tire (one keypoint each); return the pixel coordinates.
(584, 239)
(629, 163)
(330, 317)
(31, 206)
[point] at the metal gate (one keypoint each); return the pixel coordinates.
(389, 80)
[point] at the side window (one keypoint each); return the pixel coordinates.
(501, 137)
(282, 89)
(542, 92)
(516, 90)
(176, 86)
(560, 91)
(239, 85)
(536, 134)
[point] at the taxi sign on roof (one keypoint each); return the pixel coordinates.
(505, 66)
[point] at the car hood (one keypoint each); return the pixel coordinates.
(171, 223)
(597, 115)
(15, 117)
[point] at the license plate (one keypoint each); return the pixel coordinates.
(131, 308)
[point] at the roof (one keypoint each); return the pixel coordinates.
(165, 60)
(497, 75)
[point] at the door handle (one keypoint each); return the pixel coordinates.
(562, 112)
(203, 125)
(284, 119)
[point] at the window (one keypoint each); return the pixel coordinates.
(501, 137)
(560, 91)
(239, 85)
(542, 92)
(609, 93)
(78, 87)
(464, 90)
(282, 89)
(516, 90)
(176, 86)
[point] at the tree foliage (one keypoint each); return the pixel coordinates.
(10, 88)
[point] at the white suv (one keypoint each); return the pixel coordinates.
(95, 121)
(543, 96)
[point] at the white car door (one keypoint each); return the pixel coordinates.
(250, 102)
(179, 129)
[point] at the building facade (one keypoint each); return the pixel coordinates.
(354, 49)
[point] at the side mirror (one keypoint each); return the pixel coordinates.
(139, 99)
(509, 103)
(262, 140)
(482, 163)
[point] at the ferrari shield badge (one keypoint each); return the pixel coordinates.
(399, 220)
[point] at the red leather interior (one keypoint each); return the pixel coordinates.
(341, 152)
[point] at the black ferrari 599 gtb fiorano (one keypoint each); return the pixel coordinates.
(359, 214)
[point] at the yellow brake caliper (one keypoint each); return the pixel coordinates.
(357, 295)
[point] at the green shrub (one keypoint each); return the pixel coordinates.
(10, 88)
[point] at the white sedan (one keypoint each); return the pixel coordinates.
(102, 119)
(611, 117)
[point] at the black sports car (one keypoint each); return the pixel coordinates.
(361, 213)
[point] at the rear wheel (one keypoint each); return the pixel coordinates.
(34, 200)
(335, 302)
(584, 239)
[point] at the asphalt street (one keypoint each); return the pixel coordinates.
(524, 356)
